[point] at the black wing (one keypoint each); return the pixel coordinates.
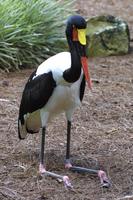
(36, 93)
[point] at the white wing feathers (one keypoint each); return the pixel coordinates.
(57, 65)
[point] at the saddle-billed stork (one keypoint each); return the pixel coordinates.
(57, 85)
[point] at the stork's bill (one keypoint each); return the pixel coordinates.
(80, 35)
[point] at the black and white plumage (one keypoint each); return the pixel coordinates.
(47, 93)
(56, 86)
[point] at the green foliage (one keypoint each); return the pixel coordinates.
(30, 31)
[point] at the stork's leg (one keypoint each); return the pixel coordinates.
(67, 161)
(41, 166)
(42, 169)
(100, 173)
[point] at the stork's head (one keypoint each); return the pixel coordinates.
(76, 36)
(76, 29)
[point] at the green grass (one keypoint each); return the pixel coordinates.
(31, 31)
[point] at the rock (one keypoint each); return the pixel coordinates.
(107, 35)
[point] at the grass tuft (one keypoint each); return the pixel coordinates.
(31, 31)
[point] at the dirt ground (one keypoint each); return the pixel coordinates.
(102, 132)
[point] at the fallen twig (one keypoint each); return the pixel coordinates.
(128, 197)
(5, 100)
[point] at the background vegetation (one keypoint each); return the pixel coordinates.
(30, 31)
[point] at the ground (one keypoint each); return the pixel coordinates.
(102, 132)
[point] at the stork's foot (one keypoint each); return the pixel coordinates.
(101, 174)
(64, 179)
(68, 164)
